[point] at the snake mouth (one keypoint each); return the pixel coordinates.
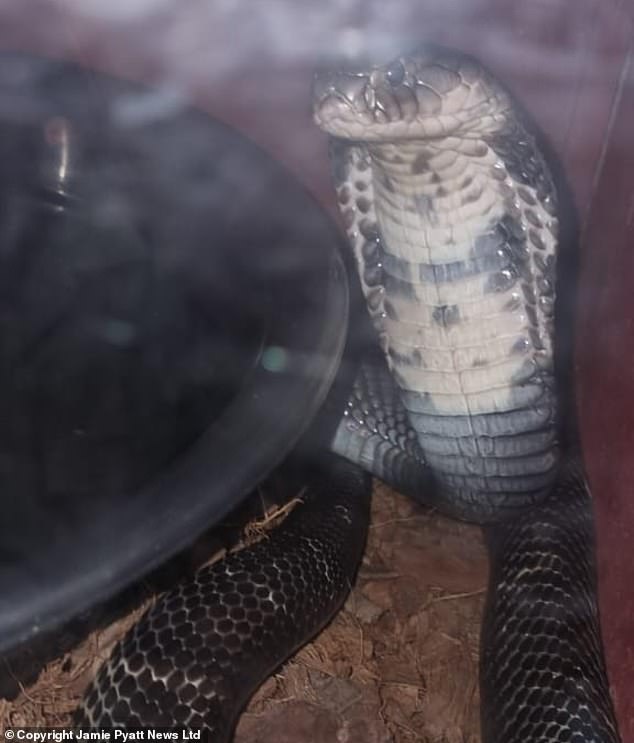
(430, 93)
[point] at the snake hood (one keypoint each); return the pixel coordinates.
(428, 93)
(450, 210)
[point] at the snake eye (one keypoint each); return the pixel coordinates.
(395, 73)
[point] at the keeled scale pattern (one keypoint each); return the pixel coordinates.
(199, 653)
(543, 677)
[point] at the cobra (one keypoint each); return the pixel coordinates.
(453, 218)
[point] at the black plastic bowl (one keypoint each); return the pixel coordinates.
(173, 309)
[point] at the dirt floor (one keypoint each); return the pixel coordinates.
(398, 664)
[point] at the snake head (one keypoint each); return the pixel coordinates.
(432, 92)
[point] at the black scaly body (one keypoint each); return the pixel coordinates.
(203, 648)
(542, 672)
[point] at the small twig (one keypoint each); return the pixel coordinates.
(452, 597)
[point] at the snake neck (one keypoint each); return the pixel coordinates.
(433, 197)
(456, 237)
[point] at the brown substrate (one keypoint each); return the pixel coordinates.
(398, 664)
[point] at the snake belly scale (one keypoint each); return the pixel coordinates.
(453, 219)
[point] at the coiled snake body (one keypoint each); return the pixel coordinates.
(452, 215)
